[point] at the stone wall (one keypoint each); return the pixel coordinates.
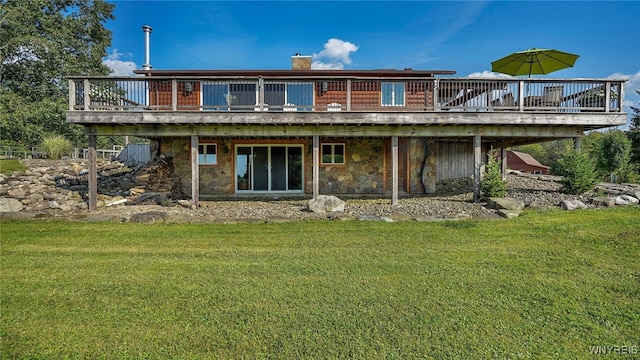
(363, 172)
(215, 179)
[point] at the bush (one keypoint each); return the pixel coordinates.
(492, 184)
(579, 173)
(55, 146)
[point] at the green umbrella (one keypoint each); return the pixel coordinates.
(533, 61)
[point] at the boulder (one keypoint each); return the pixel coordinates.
(10, 205)
(325, 203)
(634, 193)
(603, 201)
(148, 217)
(457, 217)
(572, 204)
(625, 200)
(505, 203)
(509, 214)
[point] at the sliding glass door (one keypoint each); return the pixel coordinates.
(269, 168)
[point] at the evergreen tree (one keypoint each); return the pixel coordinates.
(579, 172)
(492, 184)
(634, 135)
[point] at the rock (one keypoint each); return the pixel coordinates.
(185, 203)
(17, 215)
(505, 203)
(136, 191)
(148, 217)
(340, 216)
(509, 214)
(325, 203)
(625, 200)
(116, 201)
(457, 217)
(54, 204)
(375, 218)
(10, 205)
(17, 193)
(603, 201)
(572, 204)
(401, 217)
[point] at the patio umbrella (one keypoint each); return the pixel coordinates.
(533, 61)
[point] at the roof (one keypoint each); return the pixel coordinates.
(528, 159)
(302, 73)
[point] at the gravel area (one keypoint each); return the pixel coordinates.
(453, 200)
(449, 203)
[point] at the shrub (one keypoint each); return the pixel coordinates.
(55, 146)
(492, 184)
(579, 173)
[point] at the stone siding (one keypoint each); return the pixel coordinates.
(363, 172)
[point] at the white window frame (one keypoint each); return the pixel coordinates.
(205, 155)
(333, 153)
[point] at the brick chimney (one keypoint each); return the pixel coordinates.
(299, 62)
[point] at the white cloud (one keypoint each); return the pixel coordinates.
(489, 75)
(630, 87)
(334, 56)
(319, 65)
(119, 67)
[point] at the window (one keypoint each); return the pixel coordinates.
(225, 96)
(392, 94)
(207, 154)
(332, 153)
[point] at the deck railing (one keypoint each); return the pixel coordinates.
(280, 94)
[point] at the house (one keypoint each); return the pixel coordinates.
(311, 132)
(526, 163)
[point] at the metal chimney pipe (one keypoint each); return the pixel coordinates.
(147, 30)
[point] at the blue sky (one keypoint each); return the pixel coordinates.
(464, 36)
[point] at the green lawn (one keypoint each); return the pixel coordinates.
(8, 166)
(545, 285)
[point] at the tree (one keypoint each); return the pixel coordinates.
(634, 136)
(492, 184)
(615, 153)
(579, 172)
(41, 43)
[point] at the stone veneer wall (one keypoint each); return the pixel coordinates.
(423, 157)
(363, 172)
(214, 179)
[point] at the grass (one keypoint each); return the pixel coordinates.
(8, 166)
(545, 285)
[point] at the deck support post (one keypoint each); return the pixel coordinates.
(195, 173)
(394, 170)
(477, 166)
(93, 174)
(503, 163)
(316, 165)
